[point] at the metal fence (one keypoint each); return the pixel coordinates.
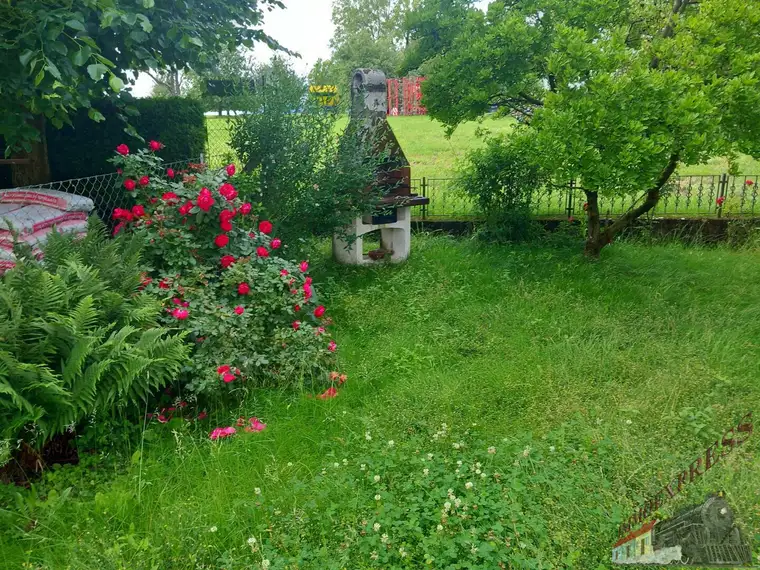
(685, 196)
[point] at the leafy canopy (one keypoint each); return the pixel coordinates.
(56, 57)
(617, 93)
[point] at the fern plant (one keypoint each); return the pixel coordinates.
(77, 337)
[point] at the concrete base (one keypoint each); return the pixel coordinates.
(394, 237)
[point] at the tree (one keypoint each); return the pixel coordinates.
(59, 56)
(171, 83)
(616, 93)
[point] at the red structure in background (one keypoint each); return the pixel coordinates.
(405, 96)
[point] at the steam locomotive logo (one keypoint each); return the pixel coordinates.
(701, 535)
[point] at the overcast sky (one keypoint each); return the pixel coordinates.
(304, 26)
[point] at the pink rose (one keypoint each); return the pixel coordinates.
(276, 243)
(230, 170)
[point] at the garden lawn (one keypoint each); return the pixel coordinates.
(596, 383)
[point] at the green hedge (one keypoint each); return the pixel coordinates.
(84, 148)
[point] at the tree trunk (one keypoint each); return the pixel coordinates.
(597, 239)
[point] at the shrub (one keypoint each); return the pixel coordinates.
(252, 315)
(78, 339)
(179, 121)
(503, 177)
(305, 173)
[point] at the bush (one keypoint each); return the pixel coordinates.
(77, 339)
(72, 152)
(252, 315)
(503, 177)
(302, 170)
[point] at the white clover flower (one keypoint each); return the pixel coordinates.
(468, 485)
(447, 505)
(526, 451)
(376, 527)
(212, 529)
(430, 456)
(492, 450)
(426, 472)
(551, 449)
(373, 556)
(474, 549)
(336, 464)
(252, 540)
(483, 475)
(459, 463)
(457, 502)
(378, 497)
(456, 470)
(363, 467)
(265, 564)
(391, 443)
(516, 463)
(477, 465)
(477, 472)
(402, 552)
(455, 445)
(290, 464)
(598, 421)
(345, 462)
(384, 538)
(450, 491)
(257, 490)
(377, 478)
(628, 422)
(439, 528)
(435, 436)
(368, 436)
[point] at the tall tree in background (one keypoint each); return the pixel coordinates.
(616, 94)
(56, 57)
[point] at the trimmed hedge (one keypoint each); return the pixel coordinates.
(83, 150)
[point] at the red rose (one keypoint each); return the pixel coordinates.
(284, 272)
(138, 211)
(170, 172)
(265, 227)
(749, 183)
(239, 310)
(223, 368)
(129, 184)
(155, 145)
(118, 228)
(202, 415)
(296, 308)
(319, 311)
(180, 314)
(170, 197)
(226, 226)
(205, 199)
(244, 289)
(228, 377)
(720, 200)
(227, 260)
(221, 240)
(228, 191)
(332, 347)
(296, 325)
(245, 209)
(121, 214)
(122, 149)
(145, 282)
(163, 284)
(230, 170)
(304, 266)
(262, 251)
(276, 243)
(185, 208)
(144, 180)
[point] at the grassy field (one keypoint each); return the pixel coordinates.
(594, 382)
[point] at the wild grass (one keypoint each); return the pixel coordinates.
(655, 348)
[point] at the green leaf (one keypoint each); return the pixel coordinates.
(129, 19)
(95, 115)
(59, 47)
(196, 41)
(82, 55)
(149, 3)
(96, 71)
(116, 83)
(40, 77)
(51, 67)
(76, 25)
(138, 35)
(26, 56)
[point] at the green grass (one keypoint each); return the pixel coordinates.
(655, 348)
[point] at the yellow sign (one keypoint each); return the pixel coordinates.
(327, 95)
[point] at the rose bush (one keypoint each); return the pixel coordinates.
(220, 273)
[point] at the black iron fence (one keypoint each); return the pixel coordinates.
(719, 195)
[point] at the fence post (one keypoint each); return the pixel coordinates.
(722, 187)
(571, 191)
(201, 159)
(424, 195)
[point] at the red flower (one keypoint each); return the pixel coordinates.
(304, 266)
(228, 191)
(205, 199)
(228, 377)
(226, 215)
(221, 240)
(121, 214)
(255, 426)
(244, 289)
(118, 228)
(265, 227)
(119, 171)
(585, 206)
(296, 325)
(332, 347)
(145, 282)
(239, 310)
(170, 197)
(163, 284)
(308, 281)
(284, 272)
(203, 415)
(261, 251)
(276, 243)
(331, 392)
(162, 418)
(296, 308)
(144, 181)
(749, 183)
(138, 211)
(122, 149)
(177, 301)
(170, 172)
(226, 226)
(319, 311)
(180, 314)
(155, 145)
(227, 260)
(129, 184)
(230, 170)
(245, 209)
(342, 379)
(185, 208)
(223, 368)
(720, 200)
